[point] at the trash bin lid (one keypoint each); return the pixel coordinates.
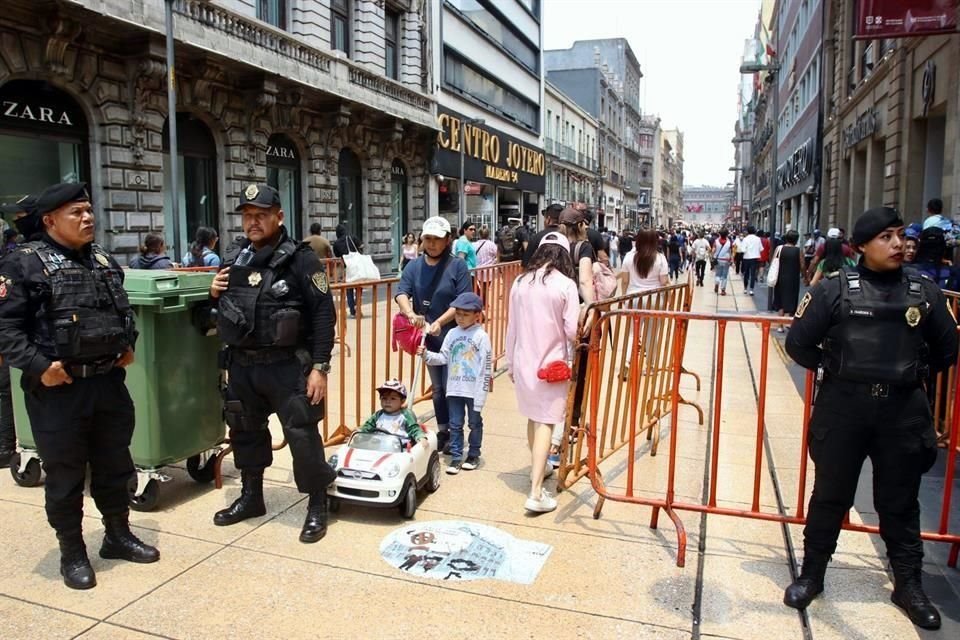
(156, 287)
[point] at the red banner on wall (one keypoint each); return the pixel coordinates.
(905, 18)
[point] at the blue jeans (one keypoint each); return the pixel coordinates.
(459, 407)
(438, 379)
(720, 273)
(352, 301)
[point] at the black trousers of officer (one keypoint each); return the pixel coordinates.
(253, 393)
(89, 421)
(896, 432)
(8, 435)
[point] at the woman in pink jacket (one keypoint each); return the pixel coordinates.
(544, 309)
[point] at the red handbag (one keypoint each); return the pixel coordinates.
(556, 371)
(406, 336)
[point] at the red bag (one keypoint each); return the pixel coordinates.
(556, 371)
(405, 335)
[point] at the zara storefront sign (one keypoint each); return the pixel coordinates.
(36, 113)
(284, 153)
(798, 166)
(866, 125)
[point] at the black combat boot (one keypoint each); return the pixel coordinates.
(908, 594)
(74, 564)
(315, 524)
(248, 505)
(119, 543)
(809, 584)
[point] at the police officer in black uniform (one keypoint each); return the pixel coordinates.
(276, 316)
(66, 322)
(873, 333)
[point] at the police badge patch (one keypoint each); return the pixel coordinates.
(803, 305)
(320, 281)
(913, 316)
(5, 284)
(254, 279)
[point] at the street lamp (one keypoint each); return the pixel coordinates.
(463, 185)
(748, 68)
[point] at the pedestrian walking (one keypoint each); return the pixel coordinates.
(551, 222)
(467, 356)
(752, 250)
(882, 329)
(738, 252)
(427, 287)
(344, 244)
(544, 312)
(153, 254)
(786, 292)
(701, 253)
(320, 245)
(722, 257)
(66, 322)
(463, 248)
(574, 225)
(832, 260)
(277, 319)
(410, 250)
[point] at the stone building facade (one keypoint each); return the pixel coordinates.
(83, 86)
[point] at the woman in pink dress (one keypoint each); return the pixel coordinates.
(544, 310)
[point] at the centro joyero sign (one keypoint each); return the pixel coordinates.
(490, 156)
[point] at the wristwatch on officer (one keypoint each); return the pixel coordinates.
(322, 367)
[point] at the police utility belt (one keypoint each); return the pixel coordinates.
(877, 348)
(88, 369)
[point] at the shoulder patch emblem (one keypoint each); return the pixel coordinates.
(5, 284)
(320, 281)
(102, 259)
(803, 305)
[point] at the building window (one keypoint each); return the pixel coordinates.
(350, 183)
(283, 174)
(340, 25)
(498, 28)
(273, 12)
(467, 80)
(196, 168)
(391, 40)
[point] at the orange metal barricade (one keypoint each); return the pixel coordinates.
(634, 362)
(493, 284)
(788, 511)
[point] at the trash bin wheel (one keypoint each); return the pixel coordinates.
(204, 474)
(30, 476)
(433, 473)
(408, 506)
(333, 504)
(147, 501)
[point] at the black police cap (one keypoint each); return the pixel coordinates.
(873, 222)
(259, 195)
(57, 195)
(26, 204)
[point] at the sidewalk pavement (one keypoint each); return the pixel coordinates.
(608, 578)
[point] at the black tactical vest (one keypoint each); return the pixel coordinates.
(259, 309)
(879, 337)
(88, 316)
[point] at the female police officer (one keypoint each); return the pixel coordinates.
(874, 331)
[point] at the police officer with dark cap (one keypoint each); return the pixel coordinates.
(65, 320)
(276, 316)
(872, 333)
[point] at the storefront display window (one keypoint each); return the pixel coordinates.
(283, 174)
(196, 181)
(351, 192)
(400, 224)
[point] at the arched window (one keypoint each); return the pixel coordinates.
(351, 192)
(283, 174)
(398, 206)
(43, 139)
(196, 180)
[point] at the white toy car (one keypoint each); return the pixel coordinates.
(381, 469)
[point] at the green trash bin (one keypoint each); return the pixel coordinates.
(174, 382)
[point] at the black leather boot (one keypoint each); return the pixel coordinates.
(74, 564)
(809, 584)
(908, 595)
(315, 524)
(119, 543)
(248, 505)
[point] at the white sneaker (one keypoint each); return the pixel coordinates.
(547, 470)
(544, 504)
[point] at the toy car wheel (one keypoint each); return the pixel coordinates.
(202, 474)
(333, 504)
(30, 476)
(408, 506)
(433, 473)
(146, 501)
